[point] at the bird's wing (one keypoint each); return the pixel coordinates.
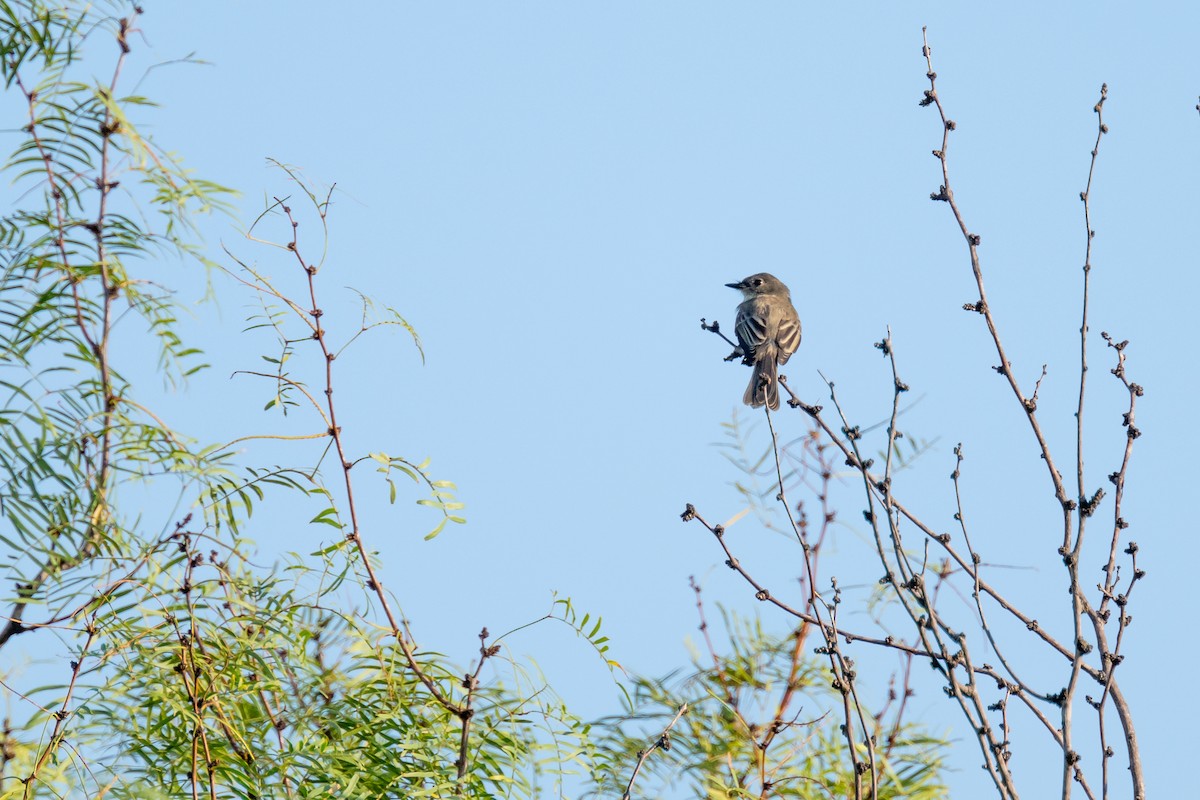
(751, 330)
(788, 336)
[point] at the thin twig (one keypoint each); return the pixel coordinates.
(663, 741)
(335, 432)
(466, 714)
(843, 677)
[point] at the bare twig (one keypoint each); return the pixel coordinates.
(911, 590)
(715, 327)
(335, 432)
(730, 698)
(60, 716)
(946, 194)
(470, 684)
(843, 674)
(663, 741)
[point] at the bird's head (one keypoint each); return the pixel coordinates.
(760, 283)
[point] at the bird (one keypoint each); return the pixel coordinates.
(768, 332)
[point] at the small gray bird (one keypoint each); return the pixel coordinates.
(768, 332)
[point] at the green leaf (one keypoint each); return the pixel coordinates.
(327, 517)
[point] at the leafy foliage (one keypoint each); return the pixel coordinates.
(757, 724)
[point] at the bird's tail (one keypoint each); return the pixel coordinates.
(764, 385)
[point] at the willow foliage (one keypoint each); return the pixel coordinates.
(189, 672)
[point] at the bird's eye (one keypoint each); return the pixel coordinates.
(758, 282)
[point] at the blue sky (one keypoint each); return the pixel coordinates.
(554, 194)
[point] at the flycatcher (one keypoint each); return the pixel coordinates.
(768, 332)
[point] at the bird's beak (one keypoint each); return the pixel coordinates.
(738, 285)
